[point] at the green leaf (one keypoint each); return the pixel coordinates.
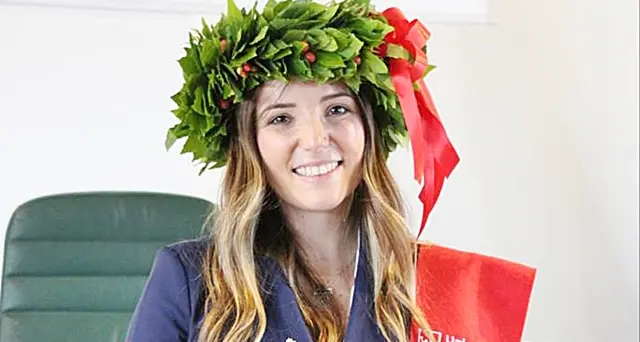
(321, 73)
(170, 140)
(174, 133)
(281, 54)
(270, 51)
(370, 30)
(398, 52)
(262, 67)
(299, 67)
(261, 35)
(316, 9)
(330, 46)
(249, 54)
(222, 76)
(252, 83)
(384, 80)
(328, 14)
(351, 68)
(238, 47)
(295, 10)
(280, 44)
(362, 25)
(180, 98)
(341, 38)
(197, 122)
(396, 114)
(330, 60)
(353, 49)
(229, 78)
(279, 6)
(233, 12)
(428, 70)
(199, 105)
(210, 52)
(294, 36)
(268, 11)
(353, 83)
(219, 130)
(195, 146)
(279, 24)
(324, 41)
(319, 35)
(188, 64)
(227, 91)
(312, 41)
(308, 24)
(373, 63)
(370, 76)
(206, 31)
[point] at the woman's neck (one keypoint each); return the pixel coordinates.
(327, 242)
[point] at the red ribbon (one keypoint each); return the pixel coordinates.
(434, 156)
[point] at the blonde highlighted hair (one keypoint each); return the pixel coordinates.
(248, 224)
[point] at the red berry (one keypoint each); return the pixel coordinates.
(246, 67)
(244, 74)
(224, 104)
(310, 56)
(305, 47)
(223, 44)
(357, 60)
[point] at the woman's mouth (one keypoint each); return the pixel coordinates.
(317, 170)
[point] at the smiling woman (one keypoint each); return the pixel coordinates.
(303, 104)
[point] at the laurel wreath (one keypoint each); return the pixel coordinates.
(290, 39)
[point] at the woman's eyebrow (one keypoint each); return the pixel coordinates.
(333, 96)
(277, 106)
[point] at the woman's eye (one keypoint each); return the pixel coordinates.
(280, 119)
(338, 110)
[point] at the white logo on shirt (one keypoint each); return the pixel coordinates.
(440, 337)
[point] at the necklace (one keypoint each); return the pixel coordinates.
(323, 294)
(326, 292)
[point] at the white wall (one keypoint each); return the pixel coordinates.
(542, 106)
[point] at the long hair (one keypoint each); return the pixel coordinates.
(248, 224)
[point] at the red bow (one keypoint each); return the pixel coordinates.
(434, 157)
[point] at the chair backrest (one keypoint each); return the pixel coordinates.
(75, 264)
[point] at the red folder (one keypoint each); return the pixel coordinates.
(469, 297)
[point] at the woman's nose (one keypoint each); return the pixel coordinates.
(313, 133)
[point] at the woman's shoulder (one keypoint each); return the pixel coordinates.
(190, 253)
(170, 306)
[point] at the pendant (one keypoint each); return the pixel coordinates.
(323, 294)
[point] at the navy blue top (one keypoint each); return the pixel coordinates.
(171, 307)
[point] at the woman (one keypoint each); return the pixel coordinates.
(310, 241)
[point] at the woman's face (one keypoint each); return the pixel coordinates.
(311, 139)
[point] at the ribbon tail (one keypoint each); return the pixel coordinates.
(436, 138)
(401, 80)
(431, 189)
(441, 157)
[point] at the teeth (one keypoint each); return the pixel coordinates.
(310, 171)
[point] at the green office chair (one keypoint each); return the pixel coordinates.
(75, 264)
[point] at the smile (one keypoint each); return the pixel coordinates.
(317, 170)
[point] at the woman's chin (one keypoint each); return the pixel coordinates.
(319, 204)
